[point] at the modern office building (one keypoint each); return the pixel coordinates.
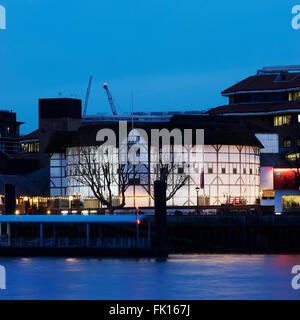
(270, 99)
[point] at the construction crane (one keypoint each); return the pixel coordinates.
(110, 99)
(87, 95)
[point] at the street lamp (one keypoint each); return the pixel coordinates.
(197, 190)
(138, 222)
(26, 199)
(70, 202)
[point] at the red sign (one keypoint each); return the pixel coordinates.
(286, 179)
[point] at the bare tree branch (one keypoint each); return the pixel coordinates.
(101, 172)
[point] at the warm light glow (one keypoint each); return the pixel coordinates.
(25, 198)
(285, 169)
(70, 198)
(17, 212)
(48, 212)
(138, 221)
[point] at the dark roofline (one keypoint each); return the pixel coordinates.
(256, 108)
(34, 135)
(218, 130)
(265, 83)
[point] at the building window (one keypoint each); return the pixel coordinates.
(134, 181)
(223, 170)
(293, 96)
(287, 143)
(282, 120)
(291, 203)
(251, 171)
(293, 156)
(210, 170)
(256, 151)
(180, 170)
(245, 171)
(268, 194)
(234, 171)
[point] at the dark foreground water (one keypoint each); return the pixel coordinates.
(180, 277)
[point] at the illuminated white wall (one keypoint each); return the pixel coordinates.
(229, 171)
(266, 176)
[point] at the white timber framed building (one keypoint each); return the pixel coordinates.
(227, 171)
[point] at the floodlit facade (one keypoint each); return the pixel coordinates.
(226, 169)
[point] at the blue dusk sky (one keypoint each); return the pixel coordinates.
(174, 55)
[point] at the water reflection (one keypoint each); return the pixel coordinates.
(178, 277)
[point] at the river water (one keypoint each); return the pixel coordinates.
(179, 277)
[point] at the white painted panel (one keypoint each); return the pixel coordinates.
(266, 178)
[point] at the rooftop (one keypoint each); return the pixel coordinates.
(274, 79)
(257, 108)
(34, 135)
(218, 130)
(139, 116)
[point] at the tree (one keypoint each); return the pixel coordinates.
(171, 173)
(100, 170)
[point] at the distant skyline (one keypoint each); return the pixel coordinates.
(174, 55)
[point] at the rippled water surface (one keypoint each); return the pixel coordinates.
(179, 277)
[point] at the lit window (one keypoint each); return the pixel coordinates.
(293, 156)
(293, 96)
(282, 120)
(268, 194)
(287, 143)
